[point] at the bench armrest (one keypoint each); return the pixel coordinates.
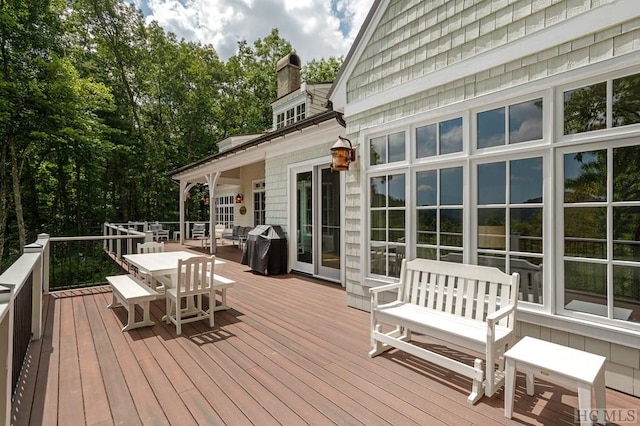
(375, 291)
(494, 317)
(500, 313)
(386, 287)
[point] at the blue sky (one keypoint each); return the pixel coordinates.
(315, 28)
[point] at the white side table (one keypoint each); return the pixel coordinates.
(176, 235)
(559, 364)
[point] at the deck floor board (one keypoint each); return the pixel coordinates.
(288, 352)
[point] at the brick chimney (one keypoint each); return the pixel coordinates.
(288, 71)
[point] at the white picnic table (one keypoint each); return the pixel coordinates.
(164, 265)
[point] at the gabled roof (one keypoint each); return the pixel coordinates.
(313, 120)
(338, 92)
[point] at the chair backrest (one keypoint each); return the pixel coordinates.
(195, 275)
(199, 227)
(155, 227)
(150, 247)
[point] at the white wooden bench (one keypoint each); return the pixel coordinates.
(128, 291)
(469, 306)
(220, 284)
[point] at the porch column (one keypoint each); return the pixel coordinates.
(212, 179)
(183, 188)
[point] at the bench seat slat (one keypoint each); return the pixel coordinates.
(423, 320)
(129, 291)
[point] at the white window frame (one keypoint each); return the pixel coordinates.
(605, 144)
(594, 135)
(258, 187)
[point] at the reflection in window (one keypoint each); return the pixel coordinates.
(492, 183)
(626, 233)
(626, 100)
(525, 121)
(585, 177)
(626, 163)
(585, 109)
(491, 128)
(439, 228)
(439, 139)
(585, 231)
(387, 149)
(387, 227)
(526, 181)
(602, 233)
(510, 204)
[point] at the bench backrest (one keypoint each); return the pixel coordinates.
(470, 291)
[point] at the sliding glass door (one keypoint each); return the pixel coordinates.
(317, 211)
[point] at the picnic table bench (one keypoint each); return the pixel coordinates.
(470, 306)
(128, 291)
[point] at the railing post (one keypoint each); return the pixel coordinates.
(6, 353)
(118, 244)
(43, 239)
(36, 292)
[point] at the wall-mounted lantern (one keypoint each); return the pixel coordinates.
(239, 198)
(342, 154)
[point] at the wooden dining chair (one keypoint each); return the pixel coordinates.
(193, 280)
(150, 247)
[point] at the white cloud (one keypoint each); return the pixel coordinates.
(315, 28)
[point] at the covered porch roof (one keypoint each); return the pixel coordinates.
(224, 168)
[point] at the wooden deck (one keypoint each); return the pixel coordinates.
(289, 352)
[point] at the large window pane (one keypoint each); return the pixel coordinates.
(379, 191)
(451, 136)
(585, 232)
(530, 270)
(491, 128)
(427, 227)
(492, 260)
(491, 229)
(585, 109)
(626, 100)
(526, 229)
(626, 233)
(378, 259)
(426, 141)
(427, 253)
(626, 174)
(585, 287)
(451, 186)
(526, 181)
(426, 188)
(451, 227)
(626, 288)
(491, 183)
(378, 151)
(396, 147)
(397, 225)
(397, 189)
(585, 177)
(525, 121)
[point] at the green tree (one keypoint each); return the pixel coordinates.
(321, 70)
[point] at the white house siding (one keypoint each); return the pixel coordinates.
(277, 178)
(417, 38)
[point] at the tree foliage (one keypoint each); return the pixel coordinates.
(97, 106)
(321, 70)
